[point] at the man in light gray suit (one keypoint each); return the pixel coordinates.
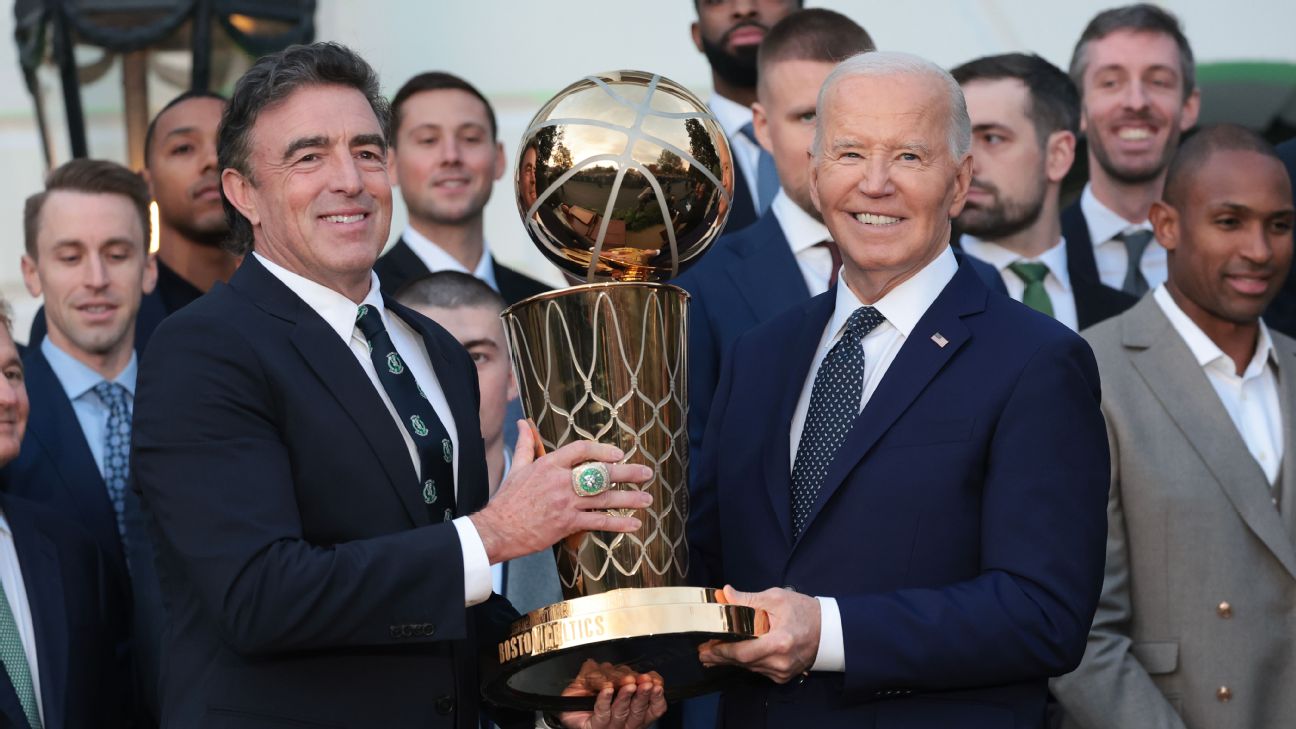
(469, 309)
(1196, 627)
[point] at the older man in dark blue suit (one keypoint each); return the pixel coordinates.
(923, 456)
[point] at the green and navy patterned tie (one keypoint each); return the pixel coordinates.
(436, 483)
(15, 662)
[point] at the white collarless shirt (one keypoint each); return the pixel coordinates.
(1057, 284)
(746, 152)
(437, 259)
(339, 313)
(903, 306)
(1250, 399)
(1110, 254)
(15, 589)
(803, 234)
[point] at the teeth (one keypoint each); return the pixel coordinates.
(871, 219)
(1133, 133)
(344, 218)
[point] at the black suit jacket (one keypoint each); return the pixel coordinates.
(1095, 301)
(55, 467)
(79, 617)
(306, 584)
(400, 265)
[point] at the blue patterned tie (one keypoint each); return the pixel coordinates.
(116, 452)
(834, 404)
(767, 180)
(436, 452)
(15, 661)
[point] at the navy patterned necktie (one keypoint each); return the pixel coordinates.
(116, 452)
(834, 404)
(436, 482)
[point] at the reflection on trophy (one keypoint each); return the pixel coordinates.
(623, 180)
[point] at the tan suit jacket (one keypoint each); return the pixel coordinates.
(1196, 626)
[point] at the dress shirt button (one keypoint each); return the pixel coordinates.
(1224, 694)
(1225, 610)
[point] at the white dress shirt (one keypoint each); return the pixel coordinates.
(78, 382)
(16, 591)
(803, 234)
(746, 153)
(1110, 254)
(1251, 399)
(339, 313)
(903, 306)
(437, 259)
(1057, 284)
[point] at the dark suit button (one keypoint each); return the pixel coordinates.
(394, 630)
(429, 629)
(444, 705)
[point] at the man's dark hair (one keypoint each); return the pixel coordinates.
(1141, 18)
(93, 176)
(1054, 100)
(1193, 154)
(437, 81)
(6, 317)
(182, 98)
(450, 290)
(697, 4)
(813, 35)
(272, 79)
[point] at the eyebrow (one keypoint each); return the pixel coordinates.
(988, 126)
(180, 130)
(480, 343)
(359, 140)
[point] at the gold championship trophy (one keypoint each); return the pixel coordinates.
(624, 179)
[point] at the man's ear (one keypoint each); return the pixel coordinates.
(501, 163)
(696, 31)
(238, 190)
(962, 181)
(1059, 155)
(31, 278)
(760, 125)
(1165, 224)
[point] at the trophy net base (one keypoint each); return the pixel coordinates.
(636, 630)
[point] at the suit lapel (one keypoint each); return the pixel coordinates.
(44, 581)
(55, 426)
(1285, 350)
(789, 379)
(766, 273)
(1081, 264)
(919, 360)
(332, 361)
(1168, 367)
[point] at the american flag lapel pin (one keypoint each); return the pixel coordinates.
(940, 340)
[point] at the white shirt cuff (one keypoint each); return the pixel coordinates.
(832, 645)
(476, 565)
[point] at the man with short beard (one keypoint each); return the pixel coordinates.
(180, 169)
(1024, 114)
(1134, 69)
(729, 32)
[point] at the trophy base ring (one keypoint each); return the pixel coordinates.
(644, 629)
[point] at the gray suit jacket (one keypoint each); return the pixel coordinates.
(1192, 526)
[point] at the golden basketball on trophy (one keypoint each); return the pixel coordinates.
(623, 180)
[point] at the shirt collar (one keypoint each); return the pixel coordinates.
(78, 378)
(801, 230)
(4, 526)
(1104, 223)
(903, 305)
(1000, 257)
(731, 115)
(1205, 351)
(338, 311)
(437, 259)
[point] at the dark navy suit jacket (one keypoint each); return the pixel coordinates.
(401, 264)
(747, 278)
(1281, 314)
(79, 618)
(305, 578)
(1095, 301)
(961, 526)
(55, 467)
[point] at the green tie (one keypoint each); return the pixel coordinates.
(15, 662)
(1032, 274)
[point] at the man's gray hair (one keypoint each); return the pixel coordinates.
(876, 64)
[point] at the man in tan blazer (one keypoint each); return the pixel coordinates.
(1196, 626)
